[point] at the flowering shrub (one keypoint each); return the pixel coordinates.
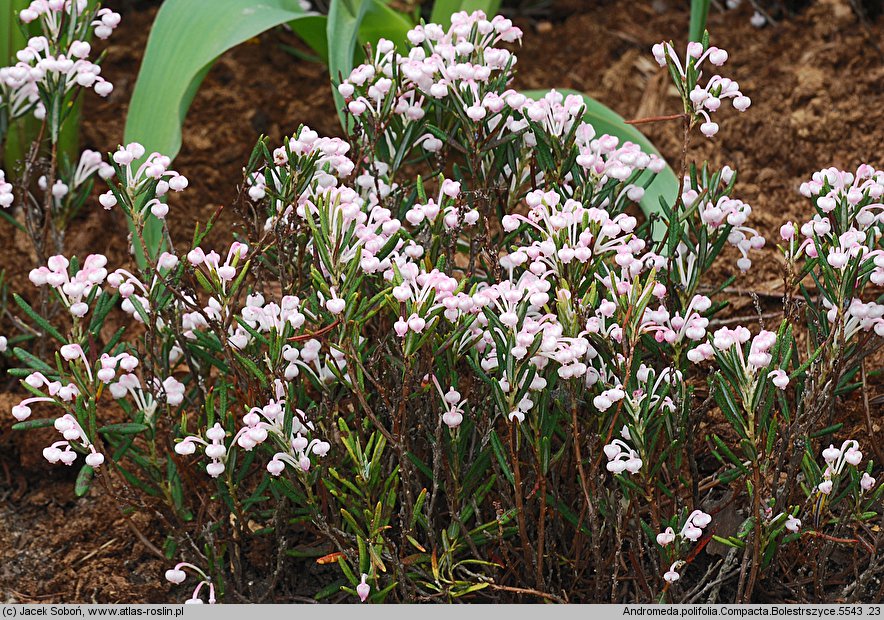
(446, 349)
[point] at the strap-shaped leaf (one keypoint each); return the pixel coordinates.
(699, 13)
(311, 30)
(185, 40)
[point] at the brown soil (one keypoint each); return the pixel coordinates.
(814, 79)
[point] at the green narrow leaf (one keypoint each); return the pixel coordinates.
(84, 481)
(815, 435)
(170, 547)
(29, 424)
(327, 591)
(39, 320)
(497, 447)
(252, 368)
(11, 220)
(33, 362)
(729, 454)
(124, 428)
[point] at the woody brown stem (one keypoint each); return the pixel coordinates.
(656, 119)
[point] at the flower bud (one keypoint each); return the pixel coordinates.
(216, 433)
(335, 305)
(21, 412)
(787, 231)
(363, 589)
(304, 462)
(215, 451)
(853, 456)
(671, 576)
(666, 537)
(94, 459)
(831, 454)
(185, 448)
(178, 183)
(215, 469)
(175, 576)
(452, 418)
(71, 352)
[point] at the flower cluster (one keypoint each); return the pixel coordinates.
(215, 450)
(270, 421)
(74, 292)
(701, 100)
(622, 458)
(70, 429)
(325, 158)
(458, 64)
(843, 239)
(691, 531)
(836, 459)
(152, 174)
(54, 63)
(733, 213)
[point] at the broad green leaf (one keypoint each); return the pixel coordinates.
(344, 19)
(15, 136)
(382, 22)
(311, 30)
(11, 37)
(444, 9)
(185, 40)
(607, 121)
